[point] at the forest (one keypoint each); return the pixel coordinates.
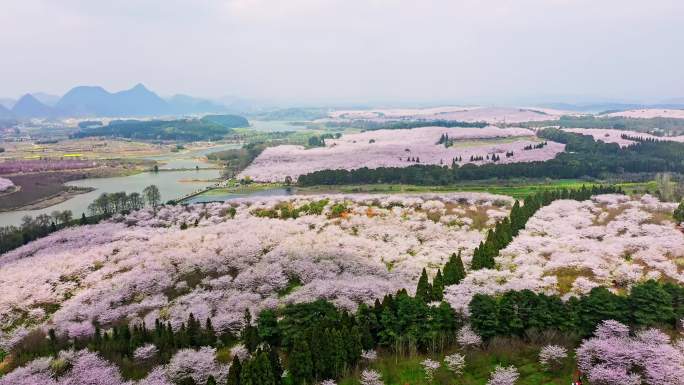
(212, 127)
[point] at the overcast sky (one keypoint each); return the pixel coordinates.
(429, 51)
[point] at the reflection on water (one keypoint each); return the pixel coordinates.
(172, 184)
(226, 197)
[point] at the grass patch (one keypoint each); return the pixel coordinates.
(397, 370)
(567, 276)
(515, 189)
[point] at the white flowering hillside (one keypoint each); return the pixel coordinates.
(244, 255)
(570, 247)
(401, 148)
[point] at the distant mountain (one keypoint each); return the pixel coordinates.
(5, 113)
(30, 107)
(47, 99)
(184, 104)
(96, 101)
(7, 102)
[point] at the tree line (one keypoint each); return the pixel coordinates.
(504, 231)
(516, 312)
(584, 157)
(103, 207)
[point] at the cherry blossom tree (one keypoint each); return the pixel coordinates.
(455, 363)
(429, 367)
(551, 356)
(467, 338)
(613, 357)
(504, 376)
(371, 377)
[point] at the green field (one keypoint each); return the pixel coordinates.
(517, 190)
(479, 364)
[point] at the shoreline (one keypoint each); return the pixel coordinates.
(51, 200)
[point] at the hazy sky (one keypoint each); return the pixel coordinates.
(348, 50)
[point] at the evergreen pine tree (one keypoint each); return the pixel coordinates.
(483, 315)
(438, 287)
(276, 366)
(234, 372)
(211, 380)
(454, 271)
(424, 289)
(650, 304)
(257, 371)
(300, 363)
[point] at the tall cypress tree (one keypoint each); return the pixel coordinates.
(257, 371)
(234, 372)
(438, 286)
(300, 363)
(454, 271)
(424, 289)
(276, 366)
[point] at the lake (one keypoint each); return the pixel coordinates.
(172, 184)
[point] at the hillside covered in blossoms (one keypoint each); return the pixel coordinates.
(225, 268)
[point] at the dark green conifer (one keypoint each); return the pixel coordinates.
(438, 287)
(424, 289)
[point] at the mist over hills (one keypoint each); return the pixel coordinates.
(92, 101)
(139, 101)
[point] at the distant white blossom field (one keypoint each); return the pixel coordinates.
(400, 148)
(650, 113)
(490, 115)
(570, 247)
(608, 135)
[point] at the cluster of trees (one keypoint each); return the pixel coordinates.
(228, 121)
(188, 130)
(413, 159)
(104, 206)
(516, 312)
(31, 228)
(535, 146)
(445, 140)
(108, 204)
(286, 210)
(236, 160)
(583, 157)
(505, 230)
(319, 140)
(454, 272)
(119, 345)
